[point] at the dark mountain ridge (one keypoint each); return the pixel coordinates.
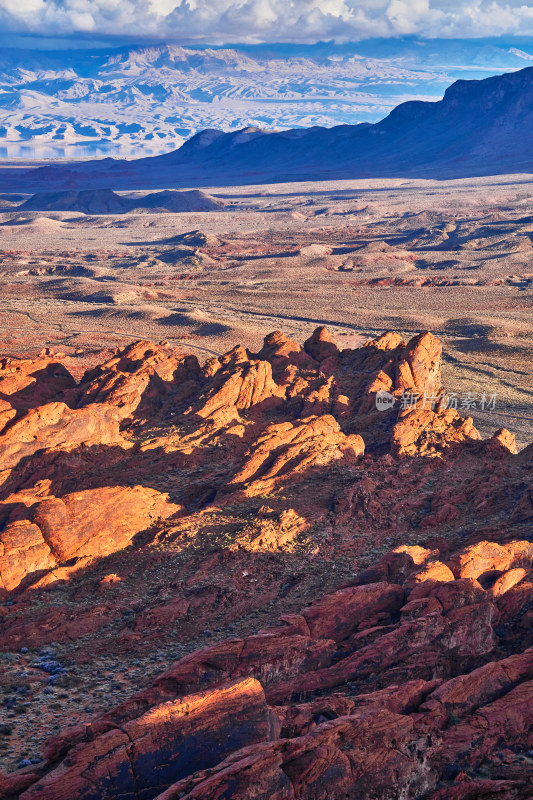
(474, 120)
(478, 128)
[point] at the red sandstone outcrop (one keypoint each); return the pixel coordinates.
(408, 729)
(339, 615)
(168, 742)
(292, 448)
(489, 557)
(424, 432)
(238, 385)
(81, 525)
(281, 351)
(268, 473)
(99, 521)
(23, 551)
(27, 383)
(370, 753)
(419, 367)
(321, 345)
(55, 425)
(138, 372)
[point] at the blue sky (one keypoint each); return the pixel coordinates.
(219, 21)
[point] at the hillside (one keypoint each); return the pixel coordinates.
(478, 128)
(136, 101)
(104, 201)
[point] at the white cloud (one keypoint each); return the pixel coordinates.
(219, 21)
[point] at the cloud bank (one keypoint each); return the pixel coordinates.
(219, 21)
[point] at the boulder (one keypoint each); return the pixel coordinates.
(168, 742)
(97, 522)
(474, 561)
(337, 616)
(28, 383)
(506, 722)
(56, 425)
(419, 367)
(139, 372)
(293, 448)
(80, 525)
(321, 345)
(463, 695)
(372, 753)
(23, 551)
(425, 432)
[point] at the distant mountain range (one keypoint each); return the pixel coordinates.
(144, 101)
(478, 128)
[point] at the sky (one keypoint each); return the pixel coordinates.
(250, 21)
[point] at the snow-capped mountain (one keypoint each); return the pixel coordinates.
(149, 100)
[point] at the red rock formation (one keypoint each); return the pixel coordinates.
(55, 425)
(281, 351)
(169, 741)
(99, 521)
(433, 723)
(23, 551)
(291, 448)
(83, 525)
(490, 557)
(419, 366)
(386, 554)
(238, 385)
(339, 615)
(27, 383)
(139, 370)
(367, 753)
(321, 345)
(424, 432)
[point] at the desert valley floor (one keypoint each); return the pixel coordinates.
(343, 572)
(361, 257)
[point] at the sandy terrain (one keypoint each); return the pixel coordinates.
(455, 257)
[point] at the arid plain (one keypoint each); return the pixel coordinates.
(361, 256)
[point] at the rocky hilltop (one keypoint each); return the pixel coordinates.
(104, 201)
(363, 577)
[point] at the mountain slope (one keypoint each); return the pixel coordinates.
(149, 100)
(478, 128)
(478, 125)
(139, 101)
